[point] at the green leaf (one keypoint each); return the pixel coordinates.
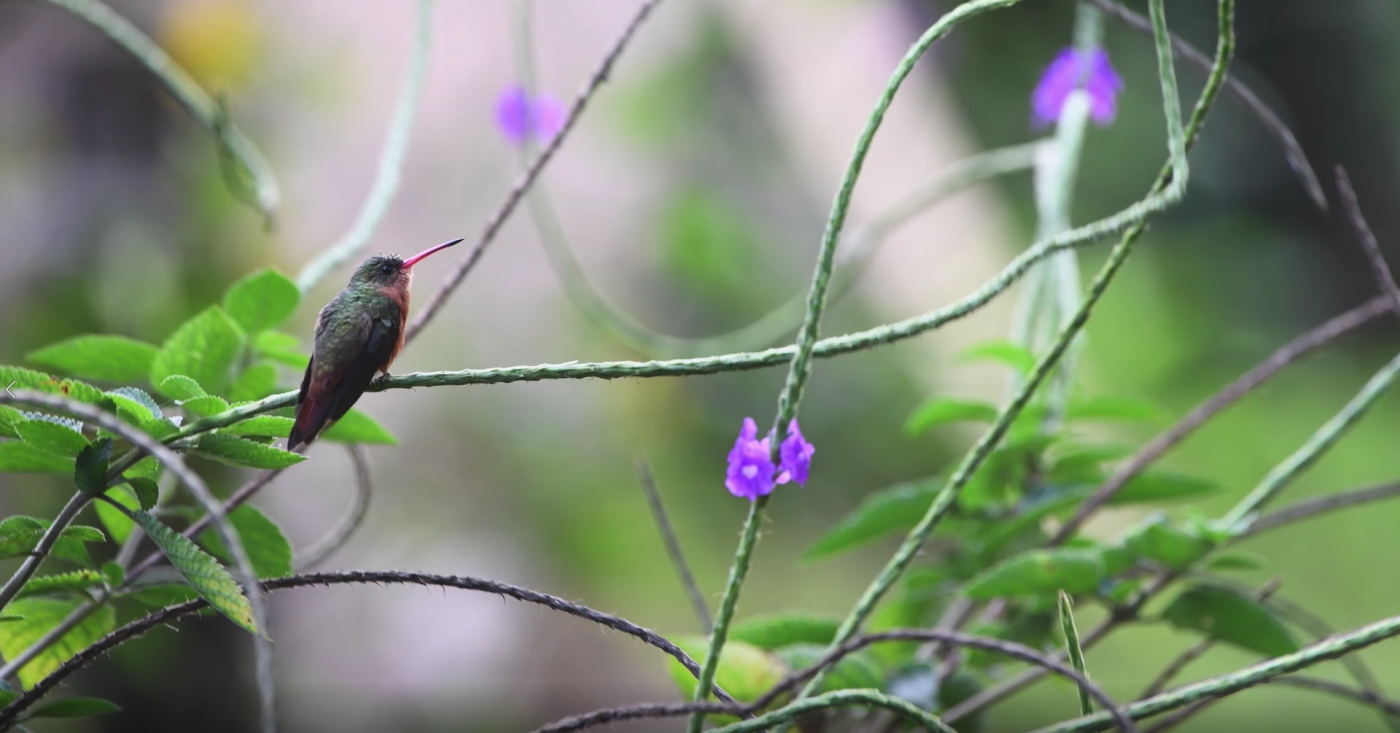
(267, 548)
(1108, 407)
(18, 378)
(1012, 355)
(17, 457)
(854, 671)
(744, 671)
(90, 473)
(1235, 561)
(181, 387)
(957, 688)
(203, 349)
(1228, 616)
(203, 572)
(1151, 486)
(113, 574)
(138, 408)
(116, 521)
(894, 509)
(71, 544)
(915, 683)
(204, 406)
(148, 468)
(147, 491)
(281, 347)
(70, 582)
(256, 382)
(782, 629)
(937, 411)
(75, 707)
(164, 595)
(9, 418)
(52, 438)
(19, 535)
(265, 426)
(357, 427)
(108, 358)
(1175, 548)
(41, 615)
(262, 300)
(1038, 572)
(236, 451)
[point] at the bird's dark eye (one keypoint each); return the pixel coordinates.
(386, 268)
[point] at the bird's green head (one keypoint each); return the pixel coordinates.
(390, 271)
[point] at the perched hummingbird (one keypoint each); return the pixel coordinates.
(358, 334)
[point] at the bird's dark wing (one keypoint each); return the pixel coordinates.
(350, 349)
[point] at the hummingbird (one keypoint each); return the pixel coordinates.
(358, 334)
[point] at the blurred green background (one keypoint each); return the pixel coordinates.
(694, 192)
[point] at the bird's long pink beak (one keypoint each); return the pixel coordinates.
(410, 262)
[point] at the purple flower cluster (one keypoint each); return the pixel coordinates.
(1073, 69)
(751, 471)
(521, 118)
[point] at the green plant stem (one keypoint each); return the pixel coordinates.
(386, 178)
(719, 632)
(1332, 648)
(185, 90)
(1169, 187)
(839, 699)
(1076, 653)
(1324, 438)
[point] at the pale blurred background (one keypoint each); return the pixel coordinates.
(694, 190)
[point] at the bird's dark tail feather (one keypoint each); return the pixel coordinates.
(312, 415)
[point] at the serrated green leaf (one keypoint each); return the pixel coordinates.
(236, 451)
(147, 467)
(71, 544)
(163, 595)
(52, 438)
(268, 549)
(202, 571)
(181, 387)
(266, 426)
(90, 470)
(107, 358)
(18, 457)
(357, 427)
(75, 707)
(281, 347)
(894, 509)
(1038, 572)
(147, 491)
(1082, 464)
(40, 616)
(118, 524)
(113, 574)
(203, 349)
(938, 411)
(778, 630)
(1012, 355)
(262, 300)
(256, 382)
(204, 406)
(9, 418)
(1231, 617)
(1173, 547)
(69, 582)
(1163, 486)
(854, 671)
(19, 378)
(744, 671)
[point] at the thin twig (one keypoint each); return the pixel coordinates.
(1287, 355)
(1321, 505)
(517, 192)
(341, 533)
(673, 545)
(391, 158)
(235, 500)
(1385, 705)
(1195, 651)
(146, 623)
(1367, 239)
(186, 91)
(1293, 152)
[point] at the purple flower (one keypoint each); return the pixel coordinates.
(795, 456)
(1071, 70)
(521, 118)
(751, 466)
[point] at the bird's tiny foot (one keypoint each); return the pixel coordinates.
(379, 380)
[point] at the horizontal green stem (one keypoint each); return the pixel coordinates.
(840, 699)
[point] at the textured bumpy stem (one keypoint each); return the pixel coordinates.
(1171, 184)
(386, 178)
(1324, 438)
(801, 365)
(840, 699)
(185, 90)
(355, 577)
